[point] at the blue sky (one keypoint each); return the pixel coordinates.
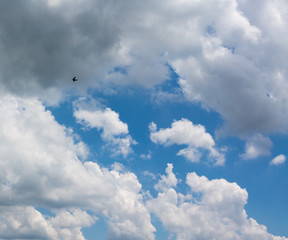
(176, 128)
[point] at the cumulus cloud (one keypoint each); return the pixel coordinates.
(230, 55)
(25, 222)
(257, 146)
(212, 209)
(184, 132)
(42, 169)
(28, 223)
(280, 159)
(232, 71)
(168, 180)
(114, 131)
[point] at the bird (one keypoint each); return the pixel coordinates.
(74, 79)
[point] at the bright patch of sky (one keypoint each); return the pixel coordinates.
(175, 129)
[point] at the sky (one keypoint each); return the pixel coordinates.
(176, 128)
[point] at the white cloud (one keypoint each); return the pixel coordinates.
(107, 120)
(280, 159)
(42, 169)
(257, 146)
(114, 131)
(148, 174)
(212, 209)
(168, 180)
(69, 223)
(26, 222)
(146, 156)
(184, 132)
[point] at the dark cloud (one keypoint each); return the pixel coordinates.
(229, 58)
(44, 46)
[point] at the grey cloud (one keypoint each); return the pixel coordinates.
(231, 55)
(242, 76)
(234, 87)
(44, 46)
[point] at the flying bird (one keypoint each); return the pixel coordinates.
(74, 79)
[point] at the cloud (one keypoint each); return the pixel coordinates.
(280, 159)
(230, 57)
(39, 58)
(25, 222)
(69, 223)
(48, 53)
(257, 146)
(233, 69)
(114, 131)
(42, 169)
(167, 181)
(149, 175)
(212, 209)
(28, 223)
(184, 132)
(146, 156)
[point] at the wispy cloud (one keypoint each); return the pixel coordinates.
(256, 146)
